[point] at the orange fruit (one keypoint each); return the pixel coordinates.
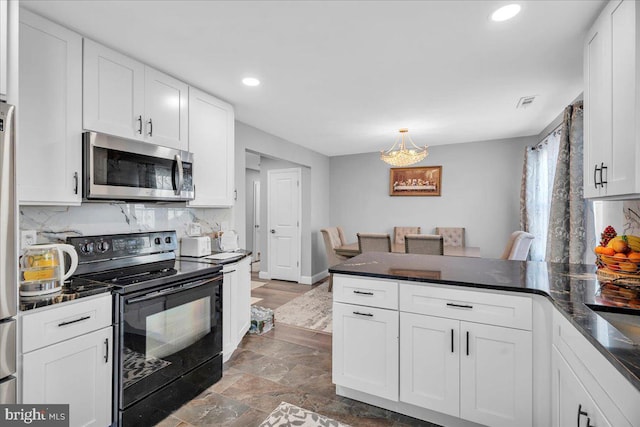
(608, 251)
(620, 257)
(628, 266)
(620, 246)
(634, 257)
(598, 249)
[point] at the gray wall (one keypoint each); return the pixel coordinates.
(255, 140)
(251, 176)
(480, 191)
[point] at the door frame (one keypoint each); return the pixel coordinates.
(257, 231)
(299, 228)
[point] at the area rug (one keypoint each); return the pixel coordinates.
(287, 415)
(311, 310)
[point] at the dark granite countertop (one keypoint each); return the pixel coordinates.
(568, 286)
(73, 289)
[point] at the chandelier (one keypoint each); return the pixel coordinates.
(403, 156)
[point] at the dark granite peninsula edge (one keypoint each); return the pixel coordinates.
(73, 289)
(569, 287)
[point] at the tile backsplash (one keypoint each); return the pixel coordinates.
(54, 223)
(631, 211)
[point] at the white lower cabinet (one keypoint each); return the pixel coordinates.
(365, 349)
(496, 377)
(76, 372)
(236, 302)
(477, 372)
(67, 358)
(572, 404)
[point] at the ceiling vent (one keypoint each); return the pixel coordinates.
(525, 101)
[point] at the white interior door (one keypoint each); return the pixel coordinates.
(256, 220)
(284, 223)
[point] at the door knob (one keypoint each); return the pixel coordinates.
(273, 231)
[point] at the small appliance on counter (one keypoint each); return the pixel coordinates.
(195, 246)
(43, 270)
(228, 241)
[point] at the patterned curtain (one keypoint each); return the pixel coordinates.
(566, 241)
(535, 193)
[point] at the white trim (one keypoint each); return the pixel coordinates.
(264, 275)
(305, 280)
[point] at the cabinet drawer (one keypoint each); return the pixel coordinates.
(481, 307)
(64, 321)
(365, 291)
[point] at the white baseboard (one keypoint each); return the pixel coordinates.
(264, 275)
(319, 276)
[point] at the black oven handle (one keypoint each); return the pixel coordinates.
(174, 290)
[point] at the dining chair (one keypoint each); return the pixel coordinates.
(400, 232)
(427, 244)
(518, 246)
(374, 242)
(453, 236)
(333, 238)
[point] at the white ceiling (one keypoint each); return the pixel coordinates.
(341, 77)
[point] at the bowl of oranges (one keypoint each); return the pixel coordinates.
(621, 254)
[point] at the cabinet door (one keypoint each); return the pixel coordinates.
(597, 103)
(243, 302)
(4, 32)
(165, 106)
(75, 372)
(429, 357)
(229, 287)
(365, 349)
(49, 154)
(211, 139)
(113, 97)
(495, 375)
(622, 169)
(569, 397)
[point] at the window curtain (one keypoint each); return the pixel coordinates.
(566, 240)
(537, 184)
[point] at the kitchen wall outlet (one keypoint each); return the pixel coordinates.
(224, 225)
(27, 238)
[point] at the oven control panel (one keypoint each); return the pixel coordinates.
(94, 248)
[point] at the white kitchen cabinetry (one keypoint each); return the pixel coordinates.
(474, 371)
(49, 153)
(582, 379)
(211, 140)
(126, 98)
(365, 336)
(74, 367)
(4, 33)
(611, 141)
(236, 304)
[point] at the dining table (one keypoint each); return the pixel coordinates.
(351, 250)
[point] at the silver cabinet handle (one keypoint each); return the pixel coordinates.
(363, 314)
(450, 304)
(75, 178)
(106, 354)
(150, 127)
(139, 119)
(363, 293)
(74, 321)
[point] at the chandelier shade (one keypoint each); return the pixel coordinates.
(403, 156)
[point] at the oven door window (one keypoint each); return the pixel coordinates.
(165, 336)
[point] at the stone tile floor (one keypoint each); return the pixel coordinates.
(287, 364)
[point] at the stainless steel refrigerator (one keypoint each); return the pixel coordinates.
(8, 255)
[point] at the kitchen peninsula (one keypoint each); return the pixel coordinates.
(469, 341)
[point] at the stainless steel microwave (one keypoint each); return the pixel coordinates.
(122, 169)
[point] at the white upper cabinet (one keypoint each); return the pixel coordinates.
(123, 97)
(211, 140)
(611, 146)
(4, 33)
(166, 112)
(49, 153)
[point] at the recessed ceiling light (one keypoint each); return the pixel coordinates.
(251, 81)
(506, 12)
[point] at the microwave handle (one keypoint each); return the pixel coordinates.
(180, 175)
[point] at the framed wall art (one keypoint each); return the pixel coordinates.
(416, 181)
